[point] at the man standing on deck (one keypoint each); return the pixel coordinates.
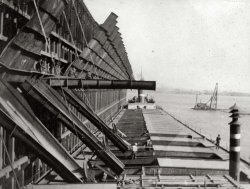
(134, 150)
(149, 145)
(218, 142)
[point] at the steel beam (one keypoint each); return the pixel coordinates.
(23, 51)
(19, 119)
(54, 103)
(74, 83)
(97, 121)
(132, 162)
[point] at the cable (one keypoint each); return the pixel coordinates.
(47, 43)
(72, 39)
(58, 78)
(40, 21)
(84, 36)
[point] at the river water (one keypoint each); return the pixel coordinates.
(208, 123)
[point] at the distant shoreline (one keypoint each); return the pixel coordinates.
(192, 92)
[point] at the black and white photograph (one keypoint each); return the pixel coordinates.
(124, 94)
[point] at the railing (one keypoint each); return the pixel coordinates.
(16, 165)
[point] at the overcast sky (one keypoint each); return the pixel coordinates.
(190, 44)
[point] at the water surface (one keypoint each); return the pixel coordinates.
(209, 123)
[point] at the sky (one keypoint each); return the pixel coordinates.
(189, 44)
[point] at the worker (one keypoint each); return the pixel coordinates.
(148, 145)
(218, 139)
(104, 177)
(43, 66)
(134, 151)
(58, 69)
(72, 72)
(89, 75)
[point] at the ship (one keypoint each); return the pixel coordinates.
(64, 117)
(211, 104)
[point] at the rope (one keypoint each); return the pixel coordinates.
(78, 18)
(84, 36)
(40, 21)
(72, 39)
(47, 43)
(13, 170)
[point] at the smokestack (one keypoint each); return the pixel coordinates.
(140, 95)
(234, 156)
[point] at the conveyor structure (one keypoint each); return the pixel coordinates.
(54, 103)
(19, 119)
(74, 83)
(93, 118)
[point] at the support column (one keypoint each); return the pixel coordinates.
(1, 23)
(234, 157)
(21, 177)
(139, 95)
(96, 100)
(11, 151)
(1, 147)
(1, 151)
(58, 132)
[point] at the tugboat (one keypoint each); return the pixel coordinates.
(141, 101)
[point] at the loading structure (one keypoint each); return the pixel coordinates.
(63, 78)
(63, 83)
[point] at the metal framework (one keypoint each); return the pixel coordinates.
(74, 83)
(53, 102)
